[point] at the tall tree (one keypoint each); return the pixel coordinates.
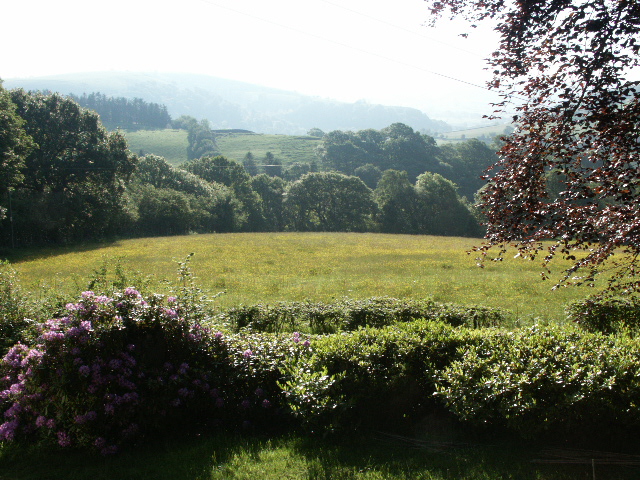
(566, 66)
(14, 146)
(74, 179)
(329, 202)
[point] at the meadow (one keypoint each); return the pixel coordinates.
(168, 143)
(251, 268)
(172, 145)
(271, 267)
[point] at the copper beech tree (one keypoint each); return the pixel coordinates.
(570, 173)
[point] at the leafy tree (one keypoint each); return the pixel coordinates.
(408, 150)
(74, 180)
(14, 146)
(440, 210)
(232, 174)
(465, 163)
(250, 164)
(329, 202)
(369, 174)
(315, 132)
(271, 191)
(202, 141)
(565, 66)
(272, 166)
(397, 200)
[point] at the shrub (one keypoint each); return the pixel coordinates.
(545, 379)
(607, 316)
(373, 376)
(119, 368)
(348, 315)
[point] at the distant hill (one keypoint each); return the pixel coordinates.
(234, 104)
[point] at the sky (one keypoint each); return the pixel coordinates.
(349, 50)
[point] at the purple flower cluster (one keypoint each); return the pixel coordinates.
(106, 382)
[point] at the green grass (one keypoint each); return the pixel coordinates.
(270, 267)
(168, 143)
(295, 457)
(172, 145)
(286, 148)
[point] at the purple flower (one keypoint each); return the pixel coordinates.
(103, 299)
(87, 294)
(8, 430)
(86, 325)
(184, 368)
(63, 439)
(13, 411)
(41, 421)
(259, 392)
(131, 292)
(109, 409)
(99, 442)
(306, 343)
(247, 353)
(72, 306)
(84, 370)
(296, 337)
(218, 335)
(52, 336)
(51, 424)
(172, 299)
(115, 363)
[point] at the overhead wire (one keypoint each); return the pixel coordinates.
(344, 45)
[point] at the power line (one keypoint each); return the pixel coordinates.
(344, 45)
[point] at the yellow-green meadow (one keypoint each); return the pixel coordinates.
(255, 268)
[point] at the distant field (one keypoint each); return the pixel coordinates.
(265, 268)
(462, 135)
(170, 144)
(286, 148)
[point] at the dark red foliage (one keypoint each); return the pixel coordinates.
(570, 172)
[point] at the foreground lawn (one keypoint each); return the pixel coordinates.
(374, 457)
(255, 268)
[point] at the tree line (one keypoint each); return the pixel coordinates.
(65, 178)
(120, 112)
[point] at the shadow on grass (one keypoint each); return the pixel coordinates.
(372, 456)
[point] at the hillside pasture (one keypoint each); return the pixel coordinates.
(286, 148)
(168, 143)
(267, 268)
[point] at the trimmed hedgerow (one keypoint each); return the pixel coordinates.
(545, 379)
(348, 315)
(606, 315)
(119, 368)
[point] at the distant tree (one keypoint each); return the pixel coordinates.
(465, 164)
(440, 210)
(271, 191)
(15, 144)
(329, 202)
(184, 122)
(202, 141)
(272, 166)
(232, 174)
(408, 150)
(568, 69)
(250, 164)
(397, 203)
(73, 181)
(315, 132)
(369, 174)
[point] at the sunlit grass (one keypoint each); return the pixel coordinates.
(264, 268)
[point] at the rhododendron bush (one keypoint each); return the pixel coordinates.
(115, 369)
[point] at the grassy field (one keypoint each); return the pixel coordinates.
(286, 148)
(462, 135)
(170, 144)
(375, 457)
(265, 268)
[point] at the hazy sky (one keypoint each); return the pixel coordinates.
(373, 50)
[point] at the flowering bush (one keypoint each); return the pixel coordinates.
(116, 368)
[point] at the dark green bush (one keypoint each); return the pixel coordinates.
(374, 376)
(607, 316)
(545, 379)
(348, 315)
